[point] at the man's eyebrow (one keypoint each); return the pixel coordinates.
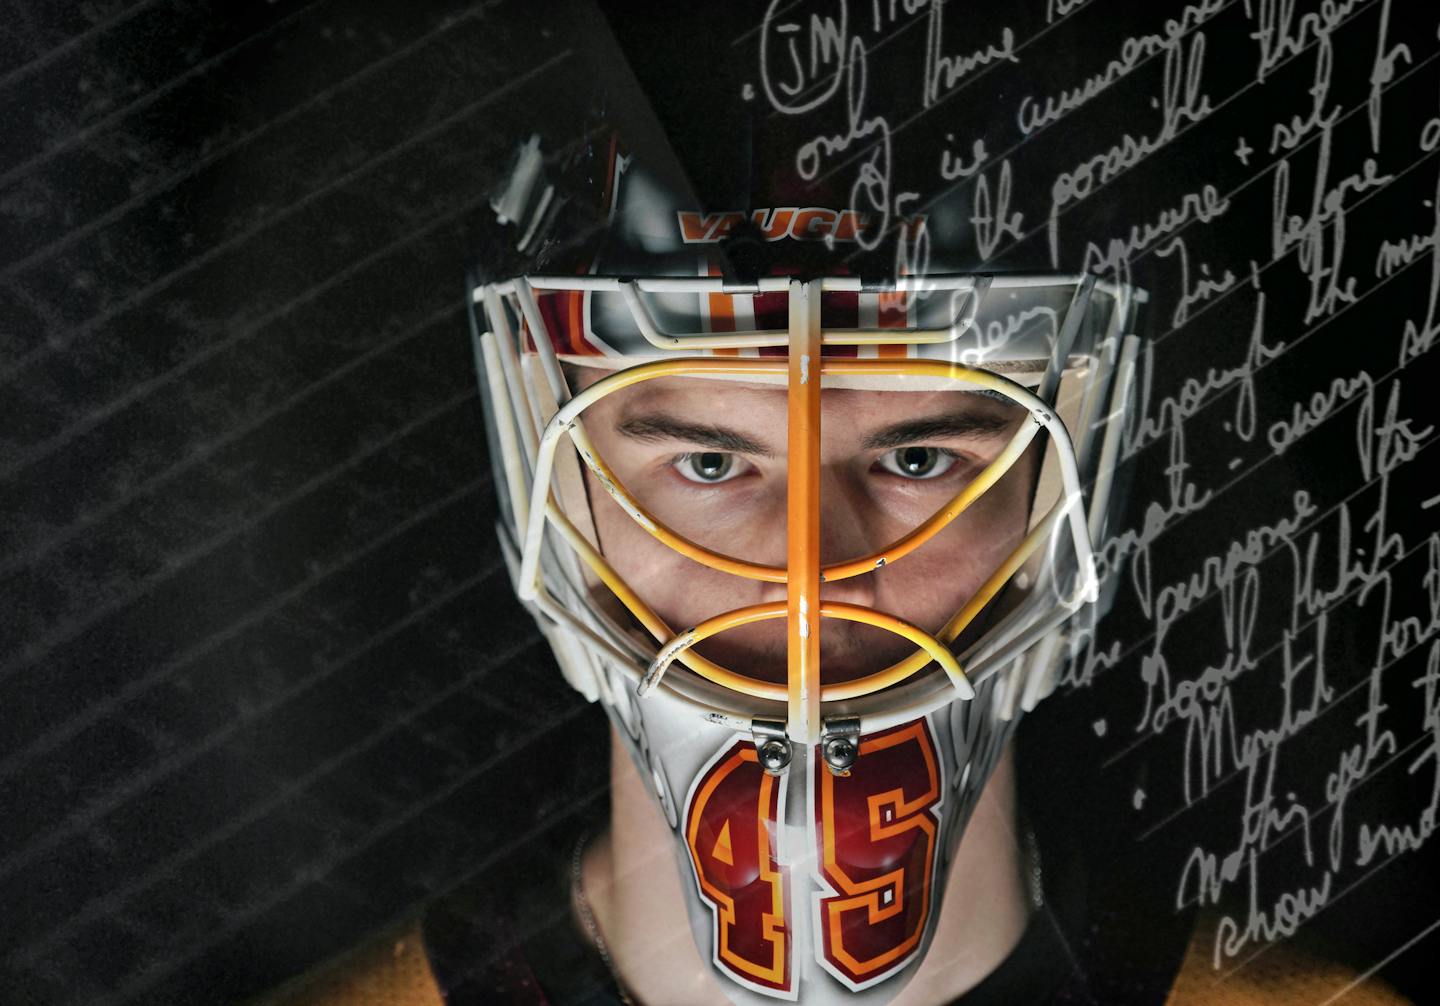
(956, 425)
(658, 426)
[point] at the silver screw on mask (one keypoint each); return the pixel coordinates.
(840, 744)
(772, 747)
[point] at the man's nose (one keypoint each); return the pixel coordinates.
(848, 526)
(848, 530)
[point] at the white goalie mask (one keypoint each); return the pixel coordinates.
(815, 544)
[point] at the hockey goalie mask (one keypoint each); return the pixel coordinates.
(805, 505)
(814, 544)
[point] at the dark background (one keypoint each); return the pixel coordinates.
(263, 685)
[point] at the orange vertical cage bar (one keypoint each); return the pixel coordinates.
(803, 514)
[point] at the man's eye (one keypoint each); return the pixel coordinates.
(918, 462)
(708, 467)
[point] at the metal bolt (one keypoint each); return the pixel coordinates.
(840, 753)
(774, 755)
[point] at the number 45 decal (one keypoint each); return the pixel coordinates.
(875, 833)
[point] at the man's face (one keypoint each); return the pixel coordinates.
(708, 459)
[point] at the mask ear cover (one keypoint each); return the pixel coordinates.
(1089, 396)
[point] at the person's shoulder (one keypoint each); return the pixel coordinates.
(1285, 972)
(392, 968)
(467, 945)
